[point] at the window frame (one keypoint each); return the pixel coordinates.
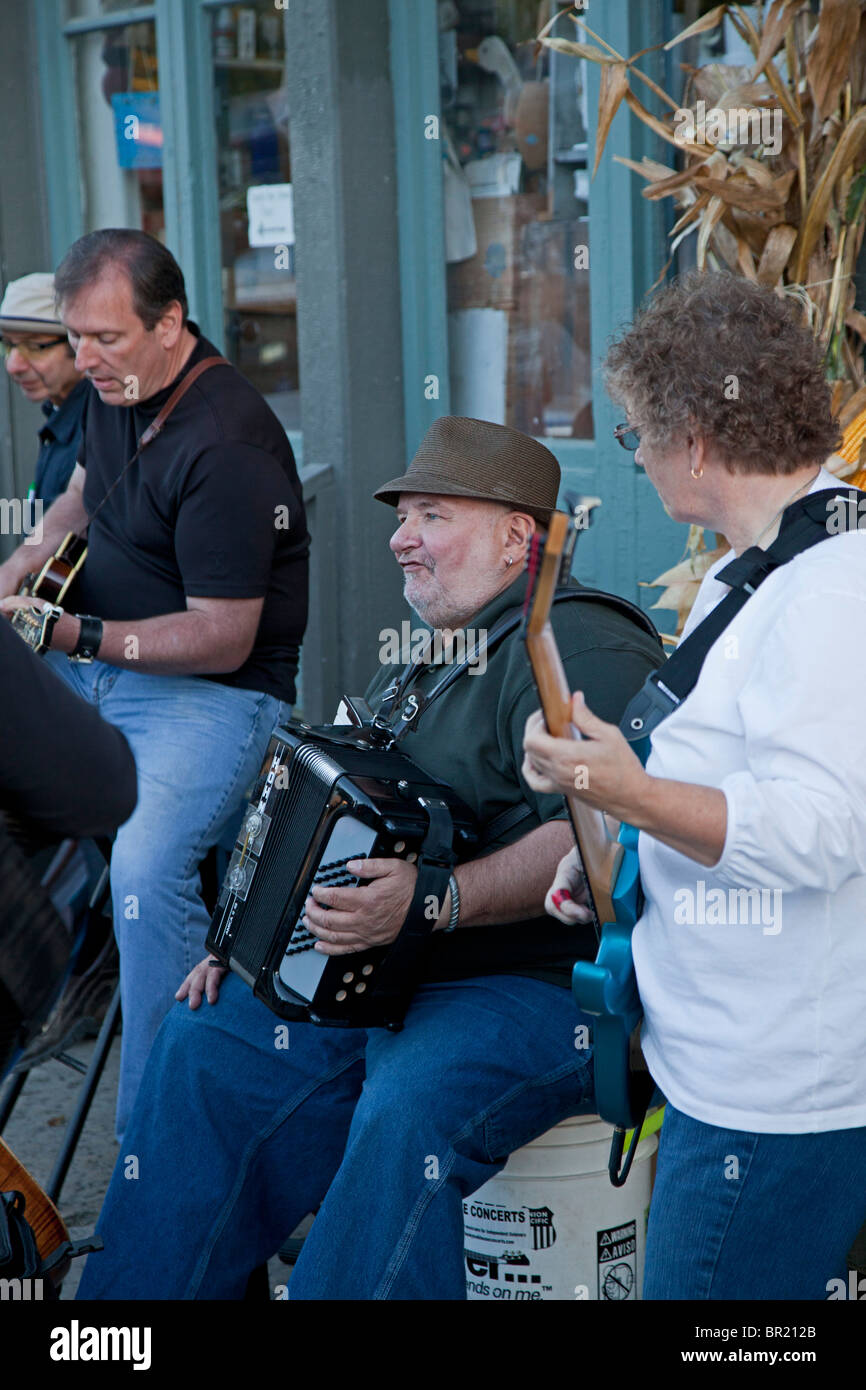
(633, 537)
(189, 152)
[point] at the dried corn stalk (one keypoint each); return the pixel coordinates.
(681, 583)
(792, 218)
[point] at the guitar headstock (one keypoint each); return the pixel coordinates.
(554, 566)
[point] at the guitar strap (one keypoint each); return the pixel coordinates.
(156, 426)
(805, 523)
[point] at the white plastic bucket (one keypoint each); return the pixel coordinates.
(551, 1225)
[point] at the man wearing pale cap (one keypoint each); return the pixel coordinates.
(40, 361)
(387, 1134)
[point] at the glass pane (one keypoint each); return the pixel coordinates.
(516, 220)
(119, 128)
(257, 234)
(92, 9)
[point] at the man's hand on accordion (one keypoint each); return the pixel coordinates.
(351, 919)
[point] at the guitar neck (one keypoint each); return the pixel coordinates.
(599, 853)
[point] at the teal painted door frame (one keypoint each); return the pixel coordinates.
(420, 207)
(632, 537)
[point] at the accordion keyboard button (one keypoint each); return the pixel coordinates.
(367, 970)
(359, 988)
(348, 977)
(340, 995)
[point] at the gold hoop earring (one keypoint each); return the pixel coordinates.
(699, 474)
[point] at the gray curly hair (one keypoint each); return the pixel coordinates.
(717, 355)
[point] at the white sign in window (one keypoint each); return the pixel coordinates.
(271, 214)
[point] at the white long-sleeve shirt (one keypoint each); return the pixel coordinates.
(753, 972)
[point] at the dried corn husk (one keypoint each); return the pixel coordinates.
(680, 584)
(793, 220)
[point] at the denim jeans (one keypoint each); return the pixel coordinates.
(235, 1138)
(752, 1216)
(197, 745)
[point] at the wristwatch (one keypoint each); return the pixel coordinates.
(89, 638)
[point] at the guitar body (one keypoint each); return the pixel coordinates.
(58, 572)
(607, 988)
(44, 1218)
(51, 585)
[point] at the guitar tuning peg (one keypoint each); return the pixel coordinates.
(581, 507)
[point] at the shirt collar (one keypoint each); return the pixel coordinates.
(62, 421)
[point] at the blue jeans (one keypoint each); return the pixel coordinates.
(752, 1216)
(197, 745)
(237, 1138)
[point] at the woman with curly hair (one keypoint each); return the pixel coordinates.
(754, 792)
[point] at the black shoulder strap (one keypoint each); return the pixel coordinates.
(805, 523)
(417, 702)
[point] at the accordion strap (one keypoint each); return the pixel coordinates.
(417, 702)
(435, 861)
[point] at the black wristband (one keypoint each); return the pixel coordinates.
(89, 638)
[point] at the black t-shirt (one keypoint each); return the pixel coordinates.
(213, 508)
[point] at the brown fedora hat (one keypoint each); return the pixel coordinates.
(459, 457)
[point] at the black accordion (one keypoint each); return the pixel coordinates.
(326, 796)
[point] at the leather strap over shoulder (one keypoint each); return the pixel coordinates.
(158, 424)
(176, 396)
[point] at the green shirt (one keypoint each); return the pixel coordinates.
(472, 738)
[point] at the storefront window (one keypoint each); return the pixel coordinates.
(120, 132)
(257, 234)
(516, 219)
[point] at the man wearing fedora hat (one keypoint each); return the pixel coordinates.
(384, 1134)
(42, 364)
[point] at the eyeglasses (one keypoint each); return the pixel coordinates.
(627, 435)
(30, 349)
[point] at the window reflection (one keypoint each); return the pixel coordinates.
(92, 9)
(516, 219)
(256, 201)
(120, 130)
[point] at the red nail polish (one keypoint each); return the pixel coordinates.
(560, 896)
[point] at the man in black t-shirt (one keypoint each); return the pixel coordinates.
(192, 600)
